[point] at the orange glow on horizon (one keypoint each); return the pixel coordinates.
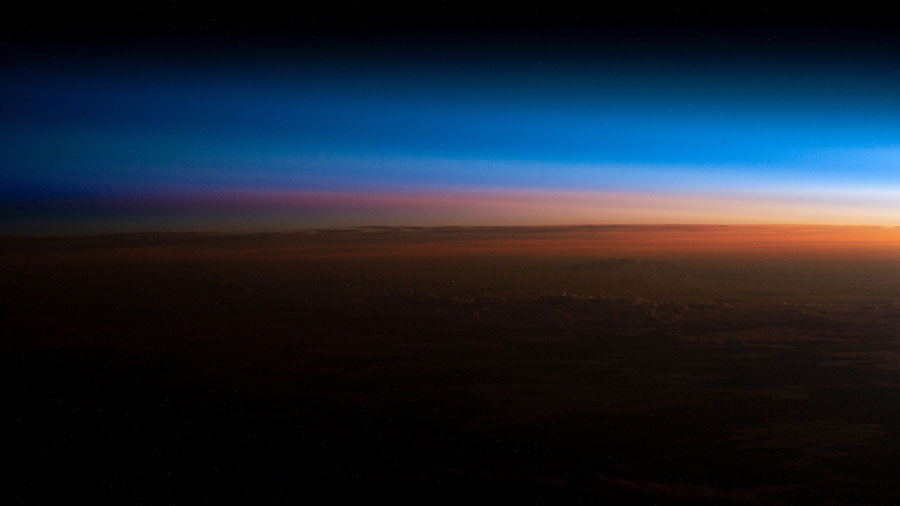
(627, 240)
(738, 241)
(296, 209)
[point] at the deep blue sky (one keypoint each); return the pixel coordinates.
(598, 124)
(733, 116)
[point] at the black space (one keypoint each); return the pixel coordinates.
(311, 25)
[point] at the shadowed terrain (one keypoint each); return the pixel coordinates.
(584, 364)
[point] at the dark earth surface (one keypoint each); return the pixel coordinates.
(187, 369)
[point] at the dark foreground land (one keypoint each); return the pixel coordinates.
(451, 366)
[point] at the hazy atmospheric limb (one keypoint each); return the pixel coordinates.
(324, 252)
